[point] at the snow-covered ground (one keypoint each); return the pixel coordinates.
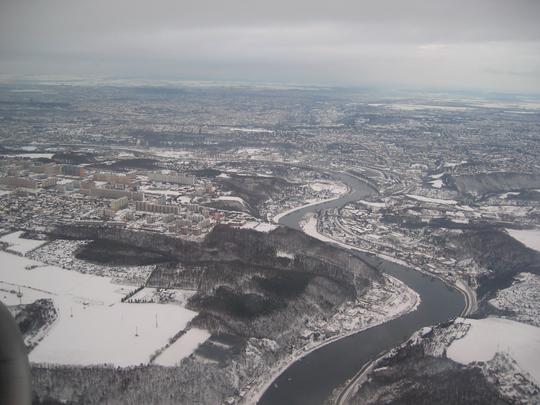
(231, 198)
(431, 200)
(380, 304)
(325, 190)
(521, 299)
(20, 245)
(282, 253)
(61, 253)
(488, 336)
(11, 294)
(251, 130)
(330, 186)
(158, 191)
(182, 348)
(93, 326)
(311, 203)
(309, 226)
(437, 183)
(372, 204)
(32, 155)
(259, 226)
(52, 280)
(121, 334)
(167, 153)
(504, 196)
(529, 237)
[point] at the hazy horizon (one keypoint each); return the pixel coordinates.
(483, 46)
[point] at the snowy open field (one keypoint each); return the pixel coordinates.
(20, 245)
(491, 335)
(529, 237)
(93, 326)
(99, 334)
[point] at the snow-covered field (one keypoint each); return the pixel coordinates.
(11, 294)
(182, 348)
(529, 237)
(93, 326)
(491, 335)
(55, 281)
(121, 334)
(20, 245)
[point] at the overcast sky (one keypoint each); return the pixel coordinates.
(457, 44)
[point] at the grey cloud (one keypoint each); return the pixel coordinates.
(332, 42)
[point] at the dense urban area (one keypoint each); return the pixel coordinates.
(145, 256)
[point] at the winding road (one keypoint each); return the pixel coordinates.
(312, 378)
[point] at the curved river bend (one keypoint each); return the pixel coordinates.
(311, 379)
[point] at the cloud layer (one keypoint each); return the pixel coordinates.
(485, 44)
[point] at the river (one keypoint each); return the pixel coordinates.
(312, 379)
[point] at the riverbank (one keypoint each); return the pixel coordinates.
(309, 226)
(312, 380)
(409, 304)
(277, 217)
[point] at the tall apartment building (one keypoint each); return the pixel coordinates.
(14, 181)
(119, 203)
(111, 193)
(48, 182)
(172, 178)
(157, 208)
(114, 178)
(73, 170)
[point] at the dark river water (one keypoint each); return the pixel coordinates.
(311, 380)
